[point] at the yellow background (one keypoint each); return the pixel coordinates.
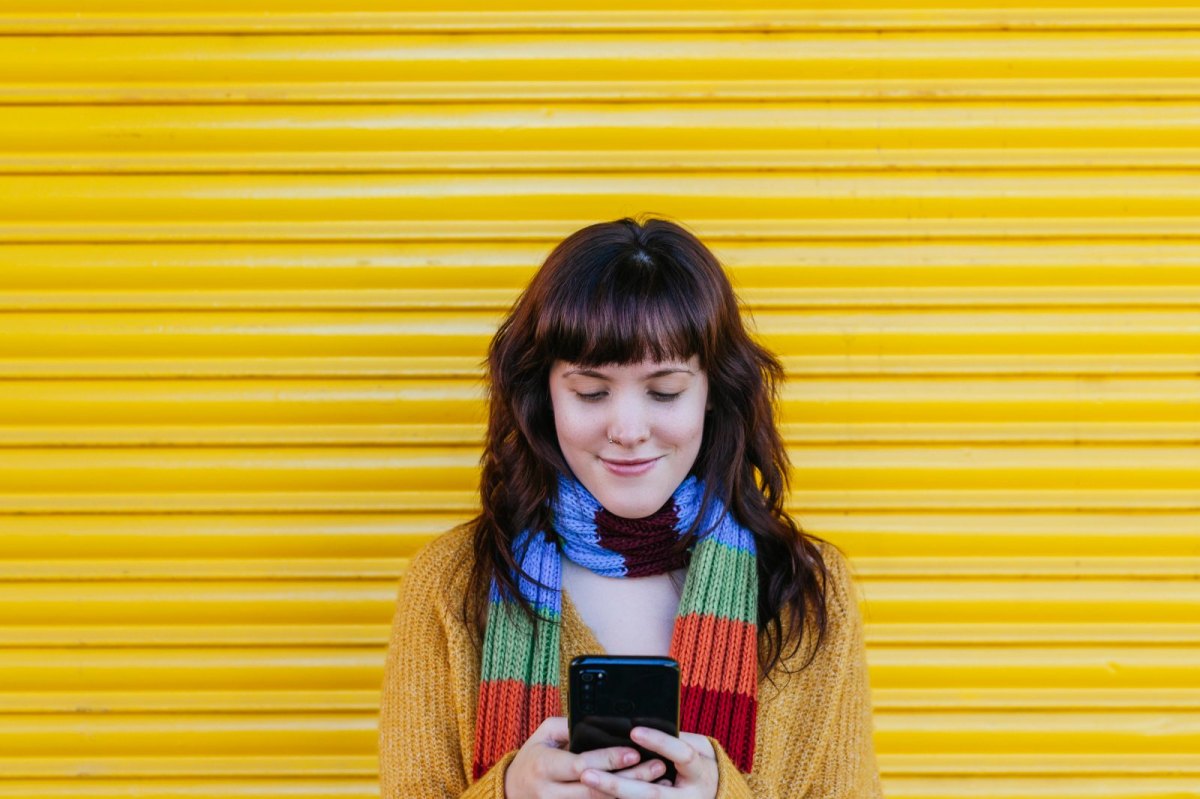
(251, 255)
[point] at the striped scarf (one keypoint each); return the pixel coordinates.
(715, 637)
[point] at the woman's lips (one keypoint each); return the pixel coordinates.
(630, 469)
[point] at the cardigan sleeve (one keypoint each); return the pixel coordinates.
(419, 750)
(731, 783)
(845, 765)
(820, 742)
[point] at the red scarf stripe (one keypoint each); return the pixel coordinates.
(700, 709)
(506, 700)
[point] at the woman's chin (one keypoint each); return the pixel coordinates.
(628, 497)
(631, 507)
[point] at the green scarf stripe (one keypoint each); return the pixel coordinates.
(720, 588)
(545, 654)
(509, 652)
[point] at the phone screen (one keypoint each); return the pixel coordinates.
(609, 695)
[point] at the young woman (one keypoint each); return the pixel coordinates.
(632, 489)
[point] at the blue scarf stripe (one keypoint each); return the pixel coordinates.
(718, 522)
(575, 520)
(575, 523)
(541, 561)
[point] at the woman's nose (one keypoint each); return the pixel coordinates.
(629, 424)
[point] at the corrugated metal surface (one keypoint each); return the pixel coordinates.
(251, 258)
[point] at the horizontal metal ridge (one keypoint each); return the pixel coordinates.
(452, 299)
(95, 769)
(1015, 699)
(1054, 765)
(1123, 224)
(664, 17)
(298, 700)
(99, 734)
(1054, 784)
(1116, 158)
(1066, 732)
(194, 668)
(1079, 567)
(367, 700)
(1032, 665)
(144, 635)
(91, 783)
(249, 569)
(1066, 634)
(1033, 600)
(797, 201)
(642, 91)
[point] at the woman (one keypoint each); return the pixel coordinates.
(632, 491)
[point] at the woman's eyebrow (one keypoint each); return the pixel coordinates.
(602, 376)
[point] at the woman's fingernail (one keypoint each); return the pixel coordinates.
(630, 757)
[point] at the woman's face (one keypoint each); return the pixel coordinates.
(654, 414)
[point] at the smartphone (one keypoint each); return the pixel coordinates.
(609, 695)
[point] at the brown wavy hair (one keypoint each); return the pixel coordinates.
(617, 293)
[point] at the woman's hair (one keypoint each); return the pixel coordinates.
(618, 293)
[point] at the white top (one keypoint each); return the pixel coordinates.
(628, 615)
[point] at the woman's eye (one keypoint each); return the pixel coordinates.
(599, 395)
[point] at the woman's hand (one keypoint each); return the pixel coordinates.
(543, 768)
(695, 767)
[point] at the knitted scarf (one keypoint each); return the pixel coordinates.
(715, 638)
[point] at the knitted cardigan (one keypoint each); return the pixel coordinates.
(814, 727)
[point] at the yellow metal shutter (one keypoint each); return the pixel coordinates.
(250, 258)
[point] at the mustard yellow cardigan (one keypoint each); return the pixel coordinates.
(814, 730)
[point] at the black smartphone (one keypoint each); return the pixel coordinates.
(609, 695)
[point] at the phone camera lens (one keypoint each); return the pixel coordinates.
(587, 676)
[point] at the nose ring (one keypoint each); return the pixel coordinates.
(610, 440)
